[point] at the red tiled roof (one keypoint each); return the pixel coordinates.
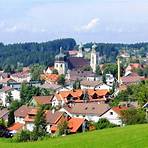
(75, 123)
(41, 100)
(23, 111)
(131, 79)
(6, 88)
(53, 118)
(16, 127)
(119, 109)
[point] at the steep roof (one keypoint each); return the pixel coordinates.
(53, 118)
(75, 123)
(16, 127)
(23, 111)
(77, 62)
(118, 109)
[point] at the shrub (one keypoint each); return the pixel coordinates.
(133, 116)
(104, 123)
(23, 136)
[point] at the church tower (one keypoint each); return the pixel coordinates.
(94, 58)
(81, 48)
(60, 63)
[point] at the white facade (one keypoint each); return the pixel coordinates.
(15, 96)
(113, 117)
(19, 120)
(18, 79)
(110, 115)
(109, 79)
(61, 67)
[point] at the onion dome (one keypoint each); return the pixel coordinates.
(61, 56)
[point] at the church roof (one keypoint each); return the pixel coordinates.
(77, 62)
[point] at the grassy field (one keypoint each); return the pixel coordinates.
(127, 137)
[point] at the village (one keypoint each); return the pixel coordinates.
(79, 95)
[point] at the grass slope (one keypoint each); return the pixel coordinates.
(127, 137)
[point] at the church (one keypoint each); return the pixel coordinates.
(63, 63)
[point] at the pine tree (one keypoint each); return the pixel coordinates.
(40, 123)
(11, 119)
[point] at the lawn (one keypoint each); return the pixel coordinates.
(126, 137)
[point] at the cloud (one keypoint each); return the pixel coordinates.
(89, 26)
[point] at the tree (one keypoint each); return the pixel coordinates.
(55, 71)
(98, 71)
(61, 80)
(9, 97)
(11, 119)
(133, 116)
(40, 123)
(104, 123)
(36, 71)
(63, 127)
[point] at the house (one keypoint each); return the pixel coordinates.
(131, 79)
(89, 111)
(6, 81)
(53, 118)
(94, 112)
(41, 100)
(114, 114)
(50, 78)
(30, 118)
(21, 113)
(21, 77)
(110, 79)
(74, 125)
(132, 66)
(16, 127)
(4, 92)
(78, 95)
(74, 75)
(54, 87)
(4, 114)
(4, 75)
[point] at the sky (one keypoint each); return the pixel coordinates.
(123, 21)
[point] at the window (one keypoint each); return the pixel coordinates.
(111, 113)
(61, 65)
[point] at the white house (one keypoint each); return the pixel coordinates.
(21, 77)
(110, 79)
(94, 112)
(4, 92)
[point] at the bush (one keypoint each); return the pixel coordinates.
(133, 116)
(104, 123)
(23, 136)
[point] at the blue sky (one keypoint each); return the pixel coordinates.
(85, 20)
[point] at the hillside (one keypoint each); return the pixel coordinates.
(126, 137)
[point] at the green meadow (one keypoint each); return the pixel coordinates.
(135, 136)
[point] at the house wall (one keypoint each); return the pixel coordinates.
(15, 95)
(20, 120)
(113, 117)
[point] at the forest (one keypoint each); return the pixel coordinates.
(26, 54)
